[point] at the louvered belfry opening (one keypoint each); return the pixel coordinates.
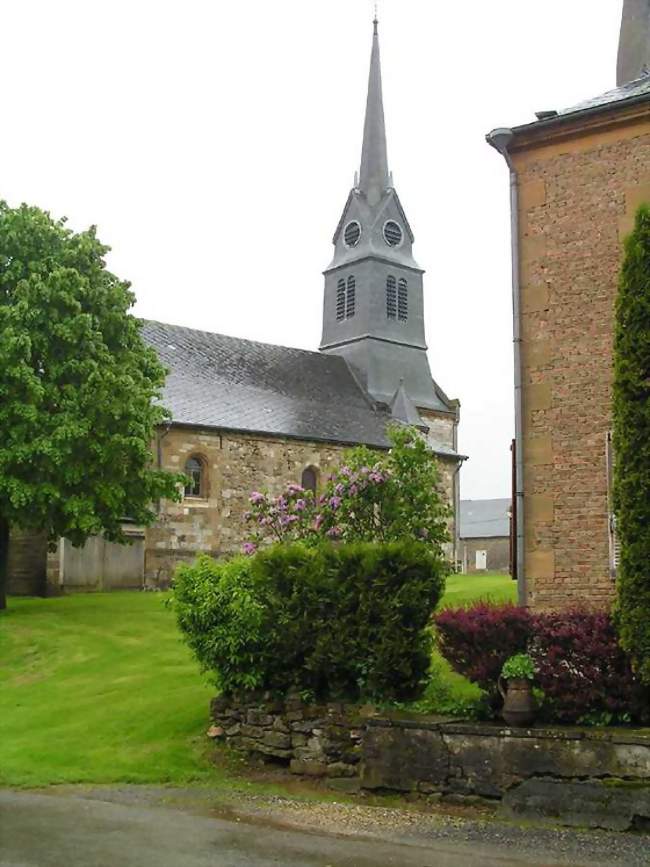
(351, 299)
(402, 301)
(346, 301)
(392, 234)
(340, 301)
(391, 297)
(352, 234)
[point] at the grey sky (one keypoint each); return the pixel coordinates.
(214, 144)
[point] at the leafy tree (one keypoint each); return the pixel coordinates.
(632, 444)
(78, 388)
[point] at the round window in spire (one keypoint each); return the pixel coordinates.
(352, 233)
(393, 234)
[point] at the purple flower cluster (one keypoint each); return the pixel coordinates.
(350, 497)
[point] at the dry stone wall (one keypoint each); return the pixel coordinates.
(530, 770)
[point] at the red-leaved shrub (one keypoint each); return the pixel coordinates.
(476, 641)
(582, 669)
(580, 666)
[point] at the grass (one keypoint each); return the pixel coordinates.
(99, 688)
(464, 589)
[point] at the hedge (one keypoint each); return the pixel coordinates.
(333, 622)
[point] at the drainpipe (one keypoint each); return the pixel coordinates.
(456, 488)
(500, 139)
(160, 436)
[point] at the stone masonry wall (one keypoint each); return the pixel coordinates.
(577, 201)
(601, 776)
(26, 566)
(235, 465)
(498, 554)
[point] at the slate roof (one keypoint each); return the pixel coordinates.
(234, 384)
(484, 519)
(632, 92)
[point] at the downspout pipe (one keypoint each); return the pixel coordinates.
(500, 140)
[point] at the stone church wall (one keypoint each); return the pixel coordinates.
(235, 465)
(578, 196)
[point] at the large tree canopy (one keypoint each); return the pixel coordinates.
(632, 444)
(79, 389)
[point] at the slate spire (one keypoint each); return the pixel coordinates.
(634, 45)
(374, 178)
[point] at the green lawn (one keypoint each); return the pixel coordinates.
(464, 589)
(99, 688)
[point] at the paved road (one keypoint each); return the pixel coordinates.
(38, 830)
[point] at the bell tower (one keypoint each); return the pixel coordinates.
(373, 306)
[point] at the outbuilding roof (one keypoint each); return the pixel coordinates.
(484, 519)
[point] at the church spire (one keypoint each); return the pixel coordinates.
(374, 178)
(634, 45)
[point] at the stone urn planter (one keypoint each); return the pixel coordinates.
(518, 701)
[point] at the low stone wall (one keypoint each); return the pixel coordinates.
(534, 772)
(313, 740)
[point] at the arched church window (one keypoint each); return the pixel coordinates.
(391, 297)
(195, 471)
(309, 479)
(402, 301)
(340, 301)
(351, 298)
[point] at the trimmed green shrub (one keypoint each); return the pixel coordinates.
(632, 444)
(221, 618)
(331, 622)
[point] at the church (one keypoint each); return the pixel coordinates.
(252, 416)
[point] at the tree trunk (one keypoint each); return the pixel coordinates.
(4, 561)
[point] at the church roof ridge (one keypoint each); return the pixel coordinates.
(221, 335)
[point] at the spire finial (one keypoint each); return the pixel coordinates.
(375, 20)
(373, 177)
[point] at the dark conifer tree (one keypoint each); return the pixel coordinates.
(632, 444)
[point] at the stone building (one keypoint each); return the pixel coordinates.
(249, 415)
(484, 536)
(577, 178)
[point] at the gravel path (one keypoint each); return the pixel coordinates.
(417, 827)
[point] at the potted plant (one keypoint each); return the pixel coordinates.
(518, 674)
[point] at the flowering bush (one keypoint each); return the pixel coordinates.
(371, 497)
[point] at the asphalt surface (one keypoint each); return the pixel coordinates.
(72, 830)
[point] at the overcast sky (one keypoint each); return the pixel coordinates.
(214, 144)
